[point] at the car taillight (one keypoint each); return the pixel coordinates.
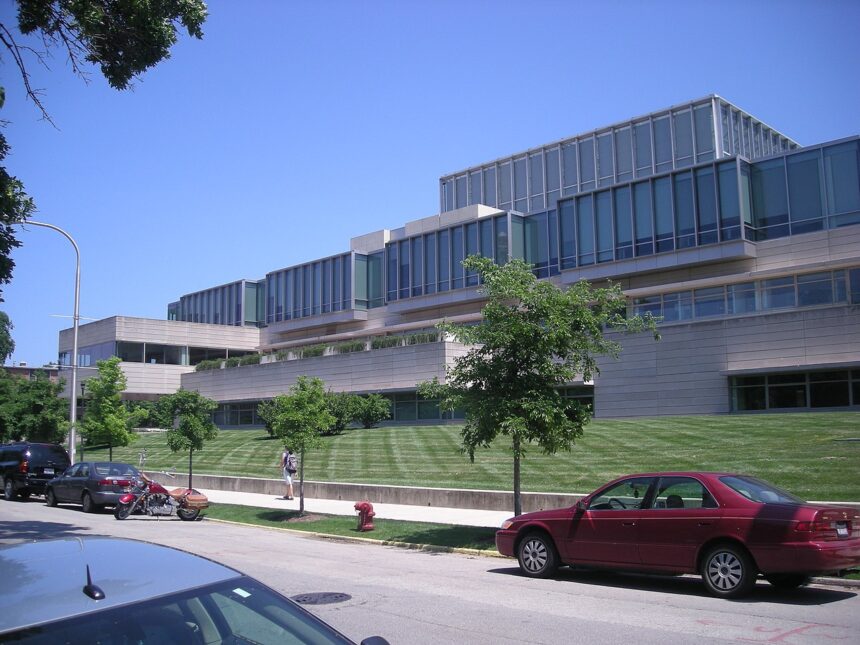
(114, 482)
(24, 467)
(818, 526)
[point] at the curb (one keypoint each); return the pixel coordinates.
(432, 548)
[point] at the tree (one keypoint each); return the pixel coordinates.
(534, 338)
(343, 406)
(371, 409)
(7, 345)
(299, 420)
(123, 39)
(32, 409)
(107, 420)
(192, 425)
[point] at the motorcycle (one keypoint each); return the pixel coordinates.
(150, 497)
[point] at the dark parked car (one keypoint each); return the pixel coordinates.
(113, 591)
(92, 484)
(728, 528)
(25, 468)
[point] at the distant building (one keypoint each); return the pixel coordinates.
(746, 244)
(50, 372)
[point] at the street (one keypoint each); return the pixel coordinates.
(416, 597)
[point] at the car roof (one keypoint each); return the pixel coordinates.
(44, 581)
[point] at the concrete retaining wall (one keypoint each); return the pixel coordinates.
(488, 500)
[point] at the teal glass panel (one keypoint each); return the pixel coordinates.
(805, 191)
(842, 179)
(490, 186)
(471, 249)
(505, 194)
(360, 282)
(605, 168)
(460, 192)
(730, 213)
(552, 235)
(643, 218)
(683, 127)
(569, 172)
(536, 243)
(391, 264)
(706, 205)
(326, 285)
(417, 264)
(586, 164)
(623, 154)
(500, 223)
(486, 226)
(769, 198)
(403, 269)
(585, 230)
(567, 226)
(603, 212)
(457, 256)
(520, 187)
(444, 261)
(685, 226)
(623, 223)
(704, 127)
(475, 196)
(642, 148)
(662, 144)
(375, 263)
(663, 214)
(430, 278)
(553, 171)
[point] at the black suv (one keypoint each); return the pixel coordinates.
(26, 467)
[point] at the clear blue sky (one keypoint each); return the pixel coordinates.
(294, 126)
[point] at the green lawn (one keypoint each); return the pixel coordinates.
(806, 453)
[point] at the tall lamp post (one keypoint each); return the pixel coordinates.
(73, 404)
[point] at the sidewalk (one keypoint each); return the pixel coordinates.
(435, 514)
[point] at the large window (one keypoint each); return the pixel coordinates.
(793, 390)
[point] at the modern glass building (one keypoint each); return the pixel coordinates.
(746, 245)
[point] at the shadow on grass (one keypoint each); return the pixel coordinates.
(418, 533)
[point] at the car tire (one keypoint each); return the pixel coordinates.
(788, 581)
(50, 498)
(537, 556)
(122, 511)
(9, 492)
(728, 571)
(88, 505)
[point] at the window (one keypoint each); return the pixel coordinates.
(682, 492)
(623, 224)
(490, 186)
(769, 198)
(585, 230)
(643, 219)
(786, 391)
(730, 214)
(642, 148)
(475, 187)
(805, 194)
(741, 298)
(815, 289)
(403, 257)
(457, 257)
(678, 306)
(842, 179)
(553, 177)
(623, 154)
(501, 225)
(505, 194)
(683, 139)
(778, 293)
(605, 165)
(663, 144)
(663, 215)
(471, 249)
(569, 172)
(704, 124)
(586, 164)
(536, 185)
(417, 266)
(430, 278)
(521, 202)
(709, 302)
(821, 389)
(603, 206)
(444, 260)
(685, 227)
(627, 494)
(567, 224)
(706, 205)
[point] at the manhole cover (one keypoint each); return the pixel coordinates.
(321, 598)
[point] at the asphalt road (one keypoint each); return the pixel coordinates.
(415, 597)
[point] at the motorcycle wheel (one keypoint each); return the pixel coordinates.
(188, 514)
(122, 511)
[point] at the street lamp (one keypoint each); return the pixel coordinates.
(73, 406)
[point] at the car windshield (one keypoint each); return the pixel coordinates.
(237, 611)
(113, 469)
(49, 455)
(759, 491)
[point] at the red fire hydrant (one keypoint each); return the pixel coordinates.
(365, 515)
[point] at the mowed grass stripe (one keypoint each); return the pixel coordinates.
(807, 453)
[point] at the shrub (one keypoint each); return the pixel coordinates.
(382, 342)
(350, 346)
(211, 364)
(372, 409)
(427, 337)
(233, 361)
(343, 406)
(312, 350)
(250, 359)
(282, 354)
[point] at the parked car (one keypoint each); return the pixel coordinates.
(729, 528)
(92, 484)
(25, 467)
(112, 591)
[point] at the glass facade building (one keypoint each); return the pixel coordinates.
(238, 303)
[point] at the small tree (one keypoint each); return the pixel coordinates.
(534, 339)
(371, 409)
(7, 345)
(32, 409)
(107, 420)
(192, 423)
(299, 420)
(343, 406)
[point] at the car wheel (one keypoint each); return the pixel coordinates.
(87, 504)
(50, 498)
(788, 580)
(728, 571)
(537, 556)
(9, 490)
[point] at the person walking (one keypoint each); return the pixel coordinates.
(288, 464)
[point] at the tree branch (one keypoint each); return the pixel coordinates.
(8, 40)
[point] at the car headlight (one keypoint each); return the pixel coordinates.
(507, 524)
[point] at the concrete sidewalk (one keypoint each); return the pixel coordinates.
(435, 514)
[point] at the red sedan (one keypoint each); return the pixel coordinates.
(728, 528)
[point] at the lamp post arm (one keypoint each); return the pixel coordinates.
(73, 403)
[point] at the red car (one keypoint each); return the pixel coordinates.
(728, 528)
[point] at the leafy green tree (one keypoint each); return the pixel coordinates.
(535, 338)
(123, 39)
(299, 420)
(371, 409)
(7, 345)
(32, 409)
(343, 406)
(107, 420)
(192, 426)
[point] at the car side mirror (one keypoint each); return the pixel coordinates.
(581, 505)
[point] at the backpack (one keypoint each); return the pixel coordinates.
(291, 463)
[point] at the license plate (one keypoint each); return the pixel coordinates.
(842, 529)
(48, 471)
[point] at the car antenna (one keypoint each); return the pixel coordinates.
(93, 591)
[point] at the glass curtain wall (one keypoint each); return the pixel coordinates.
(321, 287)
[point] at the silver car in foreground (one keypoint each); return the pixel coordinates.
(112, 591)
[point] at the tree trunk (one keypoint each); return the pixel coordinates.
(110, 452)
(302, 483)
(518, 505)
(190, 453)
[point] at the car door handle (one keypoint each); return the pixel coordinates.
(705, 523)
(628, 523)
